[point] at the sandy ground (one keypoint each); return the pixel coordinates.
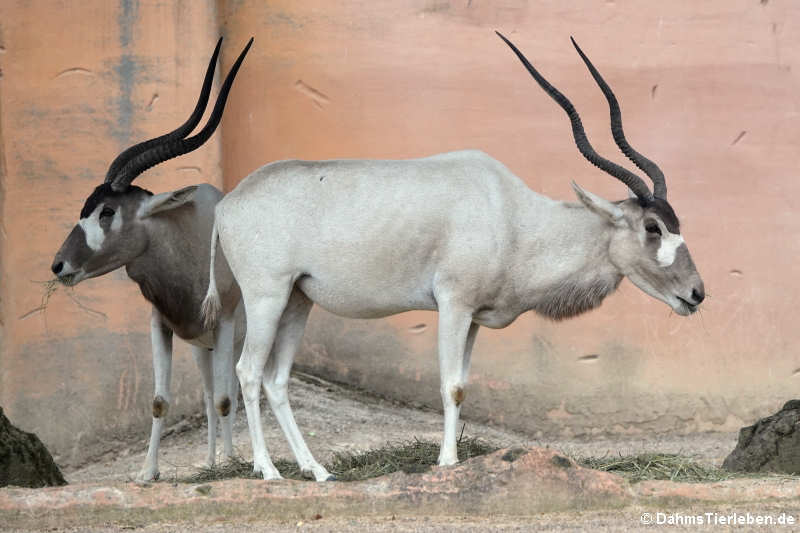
(335, 418)
(619, 521)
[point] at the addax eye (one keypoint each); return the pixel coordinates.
(106, 212)
(652, 228)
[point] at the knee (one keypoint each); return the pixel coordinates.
(277, 394)
(250, 384)
(224, 406)
(160, 407)
(454, 393)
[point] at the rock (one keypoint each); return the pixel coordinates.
(507, 483)
(522, 482)
(770, 445)
(24, 461)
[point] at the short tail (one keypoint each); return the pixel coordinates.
(211, 304)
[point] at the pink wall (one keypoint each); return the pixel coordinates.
(709, 90)
(80, 82)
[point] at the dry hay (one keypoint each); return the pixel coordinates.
(658, 466)
(409, 456)
(49, 288)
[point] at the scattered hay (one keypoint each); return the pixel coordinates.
(416, 456)
(410, 457)
(49, 288)
(664, 466)
(236, 467)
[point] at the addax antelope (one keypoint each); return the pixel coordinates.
(163, 241)
(457, 233)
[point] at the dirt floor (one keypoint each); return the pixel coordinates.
(618, 521)
(335, 418)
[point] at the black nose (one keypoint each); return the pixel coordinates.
(698, 295)
(57, 267)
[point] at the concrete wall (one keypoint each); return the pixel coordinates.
(709, 90)
(80, 82)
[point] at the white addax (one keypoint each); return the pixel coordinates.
(456, 232)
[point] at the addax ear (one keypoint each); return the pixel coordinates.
(166, 201)
(599, 205)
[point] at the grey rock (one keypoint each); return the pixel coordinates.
(24, 460)
(770, 445)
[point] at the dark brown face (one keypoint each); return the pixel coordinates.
(105, 238)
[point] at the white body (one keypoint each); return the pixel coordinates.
(456, 232)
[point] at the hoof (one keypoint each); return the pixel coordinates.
(146, 476)
(318, 473)
(268, 475)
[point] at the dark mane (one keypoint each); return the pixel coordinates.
(101, 192)
(572, 299)
(666, 214)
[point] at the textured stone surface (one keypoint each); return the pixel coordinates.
(770, 445)
(533, 481)
(24, 460)
(509, 482)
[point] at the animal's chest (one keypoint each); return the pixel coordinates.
(191, 332)
(205, 340)
(496, 317)
(176, 305)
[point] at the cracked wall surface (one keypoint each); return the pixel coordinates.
(80, 83)
(709, 91)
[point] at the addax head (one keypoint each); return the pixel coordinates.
(647, 245)
(111, 230)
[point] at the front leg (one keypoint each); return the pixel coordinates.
(456, 336)
(161, 339)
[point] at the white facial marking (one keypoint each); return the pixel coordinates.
(91, 227)
(668, 249)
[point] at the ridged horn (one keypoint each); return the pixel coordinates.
(176, 147)
(647, 166)
(634, 182)
(180, 132)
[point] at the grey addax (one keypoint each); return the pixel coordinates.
(456, 232)
(163, 241)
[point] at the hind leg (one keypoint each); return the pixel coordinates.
(264, 309)
(276, 381)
